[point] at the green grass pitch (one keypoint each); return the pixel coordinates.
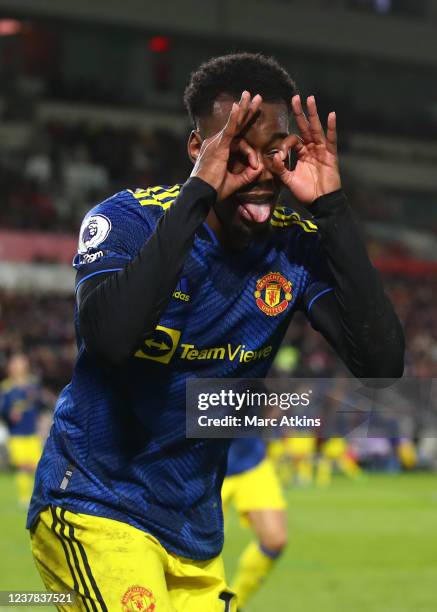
(368, 546)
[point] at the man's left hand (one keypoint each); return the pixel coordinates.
(317, 170)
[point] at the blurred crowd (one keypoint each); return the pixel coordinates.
(305, 353)
(52, 181)
(42, 327)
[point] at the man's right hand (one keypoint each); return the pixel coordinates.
(212, 162)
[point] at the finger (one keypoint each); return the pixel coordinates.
(236, 117)
(248, 111)
(245, 178)
(300, 119)
(244, 147)
(231, 126)
(282, 171)
(256, 103)
(253, 107)
(317, 133)
(278, 165)
(241, 113)
(293, 141)
(331, 133)
(244, 106)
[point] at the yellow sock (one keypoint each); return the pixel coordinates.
(24, 482)
(253, 566)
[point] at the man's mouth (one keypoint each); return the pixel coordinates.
(255, 207)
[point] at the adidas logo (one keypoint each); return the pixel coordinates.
(181, 291)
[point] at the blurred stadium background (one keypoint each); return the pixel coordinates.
(91, 102)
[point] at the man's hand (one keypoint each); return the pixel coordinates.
(212, 162)
(316, 172)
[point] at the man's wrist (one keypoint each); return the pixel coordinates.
(328, 204)
(202, 187)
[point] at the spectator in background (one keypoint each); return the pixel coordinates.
(20, 403)
(83, 176)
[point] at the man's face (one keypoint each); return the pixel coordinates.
(18, 366)
(246, 214)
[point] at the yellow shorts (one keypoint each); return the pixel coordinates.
(113, 566)
(24, 451)
(255, 489)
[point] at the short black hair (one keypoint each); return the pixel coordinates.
(232, 74)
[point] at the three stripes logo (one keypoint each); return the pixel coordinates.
(85, 587)
(182, 292)
(84, 583)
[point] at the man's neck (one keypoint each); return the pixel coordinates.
(20, 381)
(225, 238)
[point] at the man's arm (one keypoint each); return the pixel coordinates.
(357, 318)
(117, 310)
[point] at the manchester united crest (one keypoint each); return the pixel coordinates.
(138, 598)
(273, 294)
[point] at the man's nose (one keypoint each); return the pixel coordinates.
(267, 174)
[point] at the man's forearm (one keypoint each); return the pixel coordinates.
(372, 341)
(116, 311)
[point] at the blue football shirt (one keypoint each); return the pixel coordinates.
(117, 447)
(19, 406)
(245, 454)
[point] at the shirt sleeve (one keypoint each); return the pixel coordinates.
(149, 263)
(110, 236)
(357, 318)
(320, 278)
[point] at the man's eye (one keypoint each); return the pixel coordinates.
(272, 153)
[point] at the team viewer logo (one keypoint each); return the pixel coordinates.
(273, 293)
(94, 231)
(138, 598)
(161, 346)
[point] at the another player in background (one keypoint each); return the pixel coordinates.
(20, 404)
(199, 280)
(252, 486)
(335, 452)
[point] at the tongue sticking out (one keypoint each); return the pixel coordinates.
(259, 213)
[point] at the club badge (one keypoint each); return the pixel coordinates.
(273, 294)
(138, 598)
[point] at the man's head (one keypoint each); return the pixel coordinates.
(18, 366)
(208, 97)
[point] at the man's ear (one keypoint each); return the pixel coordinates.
(193, 145)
